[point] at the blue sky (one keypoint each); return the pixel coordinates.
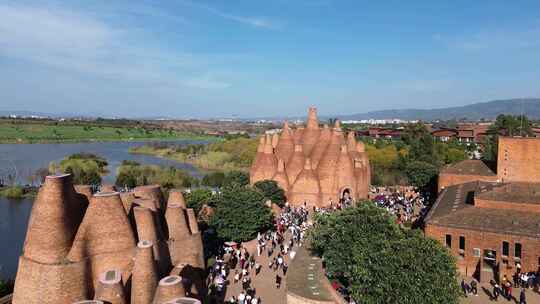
(186, 58)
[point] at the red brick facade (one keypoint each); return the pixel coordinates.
(519, 159)
(468, 263)
(491, 222)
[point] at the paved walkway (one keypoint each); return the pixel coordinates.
(265, 282)
(484, 296)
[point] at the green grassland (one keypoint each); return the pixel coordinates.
(45, 132)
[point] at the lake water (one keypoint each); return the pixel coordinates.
(24, 159)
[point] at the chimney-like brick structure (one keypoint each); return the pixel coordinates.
(345, 172)
(85, 190)
(285, 147)
(320, 148)
(275, 139)
(192, 218)
(183, 301)
(151, 192)
(144, 278)
(104, 229)
(96, 256)
(176, 222)
(327, 169)
(281, 177)
(107, 188)
(296, 164)
(169, 288)
(110, 289)
(329, 172)
(177, 197)
(306, 188)
(54, 221)
(311, 134)
(298, 135)
(105, 237)
(127, 198)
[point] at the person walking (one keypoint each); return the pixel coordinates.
(496, 292)
(464, 288)
(522, 299)
(474, 287)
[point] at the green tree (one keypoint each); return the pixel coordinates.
(421, 174)
(214, 179)
(236, 177)
(379, 262)
(240, 213)
(271, 191)
(510, 125)
(505, 125)
(198, 197)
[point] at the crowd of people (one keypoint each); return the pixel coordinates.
(407, 203)
(505, 288)
(237, 265)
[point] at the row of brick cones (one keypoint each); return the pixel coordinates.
(111, 247)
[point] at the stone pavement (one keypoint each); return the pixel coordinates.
(484, 296)
(264, 283)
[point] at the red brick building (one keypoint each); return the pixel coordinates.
(465, 171)
(491, 227)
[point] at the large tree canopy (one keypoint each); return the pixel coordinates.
(240, 213)
(379, 262)
(271, 191)
(421, 174)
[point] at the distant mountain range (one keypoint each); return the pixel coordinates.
(482, 110)
(487, 110)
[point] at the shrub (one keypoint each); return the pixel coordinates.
(13, 192)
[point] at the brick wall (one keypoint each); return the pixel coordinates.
(468, 263)
(446, 180)
(519, 159)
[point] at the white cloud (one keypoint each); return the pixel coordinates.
(259, 22)
(74, 42)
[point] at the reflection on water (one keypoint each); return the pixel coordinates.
(25, 159)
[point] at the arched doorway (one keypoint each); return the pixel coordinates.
(345, 197)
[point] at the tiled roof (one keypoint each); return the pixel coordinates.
(469, 167)
(454, 208)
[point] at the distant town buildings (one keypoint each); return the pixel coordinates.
(491, 220)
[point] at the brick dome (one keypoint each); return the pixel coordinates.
(281, 177)
(336, 163)
(320, 148)
(296, 164)
(145, 276)
(285, 147)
